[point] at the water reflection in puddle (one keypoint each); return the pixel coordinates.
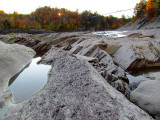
(29, 81)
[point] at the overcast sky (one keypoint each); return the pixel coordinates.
(101, 6)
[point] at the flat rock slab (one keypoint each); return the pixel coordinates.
(76, 91)
(147, 96)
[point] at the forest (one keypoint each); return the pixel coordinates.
(57, 19)
(61, 19)
(147, 8)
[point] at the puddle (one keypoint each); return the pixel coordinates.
(30, 80)
(112, 34)
(144, 74)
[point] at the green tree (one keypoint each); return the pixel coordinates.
(6, 24)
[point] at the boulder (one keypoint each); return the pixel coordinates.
(147, 96)
(75, 90)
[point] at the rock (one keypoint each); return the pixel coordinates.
(134, 85)
(147, 96)
(89, 59)
(111, 49)
(135, 55)
(13, 58)
(119, 85)
(157, 118)
(68, 47)
(134, 35)
(3, 98)
(7, 94)
(2, 102)
(75, 90)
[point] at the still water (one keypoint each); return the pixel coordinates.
(144, 74)
(28, 81)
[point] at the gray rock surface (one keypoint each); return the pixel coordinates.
(135, 55)
(12, 59)
(147, 96)
(75, 90)
(111, 57)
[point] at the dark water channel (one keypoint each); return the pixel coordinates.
(144, 74)
(29, 80)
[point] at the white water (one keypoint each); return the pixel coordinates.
(111, 34)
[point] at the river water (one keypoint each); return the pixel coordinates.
(30, 80)
(112, 34)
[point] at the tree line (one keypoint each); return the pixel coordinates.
(147, 8)
(56, 19)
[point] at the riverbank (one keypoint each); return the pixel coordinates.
(29, 31)
(83, 64)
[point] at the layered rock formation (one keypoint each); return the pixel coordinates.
(75, 90)
(137, 55)
(83, 65)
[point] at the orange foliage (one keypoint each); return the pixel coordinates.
(151, 9)
(2, 12)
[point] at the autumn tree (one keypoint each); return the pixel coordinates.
(59, 20)
(139, 9)
(151, 9)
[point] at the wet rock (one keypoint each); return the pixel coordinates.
(147, 96)
(75, 90)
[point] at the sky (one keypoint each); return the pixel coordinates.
(103, 7)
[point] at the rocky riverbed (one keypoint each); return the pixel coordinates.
(88, 79)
